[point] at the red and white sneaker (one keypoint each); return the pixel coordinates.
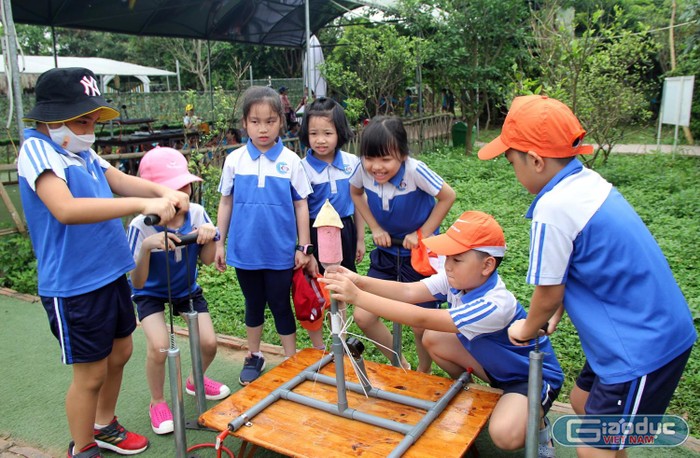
(117, 439)
(213, 390)
(89, 451)
(161, 418)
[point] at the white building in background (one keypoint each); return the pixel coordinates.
(113, 75)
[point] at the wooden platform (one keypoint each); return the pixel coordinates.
(296, 430)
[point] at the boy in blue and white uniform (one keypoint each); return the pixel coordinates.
(74, 223)
(473, 332)
(592, 256)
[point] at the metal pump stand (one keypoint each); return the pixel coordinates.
(396, 327)
(534, 389)
(174, 364)
(411, 432)
(175, 373)
(192, 319)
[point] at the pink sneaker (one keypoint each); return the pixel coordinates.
(161, 418)
(213, 390)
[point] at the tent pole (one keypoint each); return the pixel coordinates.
(308, 51)
(55, 52)
(177, 70)
(211, 91)
(13, 68)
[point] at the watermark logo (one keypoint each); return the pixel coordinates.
(620, 431)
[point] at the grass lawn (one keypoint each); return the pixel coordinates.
(665, 191)
(643, 135)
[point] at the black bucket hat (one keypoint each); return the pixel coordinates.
(63, 94)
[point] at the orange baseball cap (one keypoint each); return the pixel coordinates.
(473, 230)
(540, 124)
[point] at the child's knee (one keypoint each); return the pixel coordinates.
(156, 356)
(121, 351)
(418, 332)
(505, 435)
(208, 344)
(363, 318)
(429, 339)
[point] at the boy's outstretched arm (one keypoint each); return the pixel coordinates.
(127, 185)
(413, 293)
(343, 289)
(546, 302)
(67, 209)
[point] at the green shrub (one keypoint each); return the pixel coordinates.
(17, 264)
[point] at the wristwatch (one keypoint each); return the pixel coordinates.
(306, 249)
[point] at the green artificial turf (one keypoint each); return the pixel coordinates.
(35, 381)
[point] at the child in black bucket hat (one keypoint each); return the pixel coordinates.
(67, 192)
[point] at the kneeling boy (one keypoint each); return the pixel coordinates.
(473, 332)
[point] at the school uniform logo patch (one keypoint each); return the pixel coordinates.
(347, 169)
(283, 168)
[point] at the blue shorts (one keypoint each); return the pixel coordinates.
(383, 265)
(86, 325)
(549, 394)
(646, 395)
(148, 305)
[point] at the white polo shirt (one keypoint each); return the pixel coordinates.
(620, 293)
(483, 316)
(405, 202)
(331, 181)
(262, 233)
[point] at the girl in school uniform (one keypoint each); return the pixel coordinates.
(263, 218)
(403, 197)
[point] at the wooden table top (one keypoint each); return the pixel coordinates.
(297, 430)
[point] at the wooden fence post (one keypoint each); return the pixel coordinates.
(13, 212)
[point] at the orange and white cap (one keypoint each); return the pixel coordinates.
(473, 230)
(540, 124)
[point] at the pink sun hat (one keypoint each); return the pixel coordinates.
(166, 166)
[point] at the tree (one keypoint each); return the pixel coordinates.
(601, 72)
(33, 40)
(471, 47)
(371, 63)
(688, 40)
(615, 95)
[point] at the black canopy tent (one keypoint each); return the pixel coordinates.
(287, 23)
(265, 22)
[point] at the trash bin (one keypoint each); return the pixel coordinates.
(459, 134)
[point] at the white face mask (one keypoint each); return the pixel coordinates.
(70, 141)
